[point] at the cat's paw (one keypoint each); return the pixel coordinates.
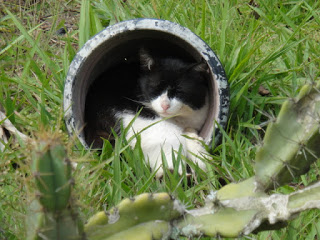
(192, 133)
(195, 149)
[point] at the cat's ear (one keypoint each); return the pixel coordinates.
(146, 60)
(200, 67)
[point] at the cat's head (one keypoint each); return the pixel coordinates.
(171, 86)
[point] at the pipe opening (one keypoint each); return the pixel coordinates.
(113, 68)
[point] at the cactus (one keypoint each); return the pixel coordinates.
(149, 214)
(291, 143)
(51, 215)
(52, 171)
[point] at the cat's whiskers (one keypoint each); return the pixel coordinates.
(146, 104)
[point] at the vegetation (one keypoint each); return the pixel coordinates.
(269, 49)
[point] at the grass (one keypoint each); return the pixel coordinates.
(273, 43)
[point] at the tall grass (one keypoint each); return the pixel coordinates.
(273, 43)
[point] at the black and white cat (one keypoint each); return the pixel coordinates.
(173, 96)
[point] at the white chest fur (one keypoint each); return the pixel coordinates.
(166, 134)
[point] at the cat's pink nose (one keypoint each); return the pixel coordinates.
(165, 106)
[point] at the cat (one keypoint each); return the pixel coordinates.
(172, 97)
